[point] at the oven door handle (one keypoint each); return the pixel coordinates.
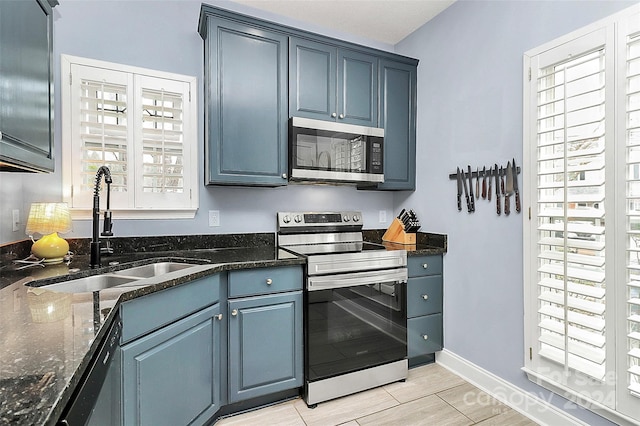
(326, 282)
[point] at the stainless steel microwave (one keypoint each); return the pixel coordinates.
(330, 152)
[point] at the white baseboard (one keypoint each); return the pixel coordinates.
(531, 406)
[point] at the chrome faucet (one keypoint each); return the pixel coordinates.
(106, 230)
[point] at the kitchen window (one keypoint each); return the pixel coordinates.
(582, 232)
(142, 125)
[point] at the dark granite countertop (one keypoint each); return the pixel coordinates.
(48, 338)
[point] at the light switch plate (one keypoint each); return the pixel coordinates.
(382, 216)
(15, 219)
(214, 217)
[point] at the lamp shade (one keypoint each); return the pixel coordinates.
(46, 218)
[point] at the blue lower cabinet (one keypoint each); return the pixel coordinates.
(265, 345)
(172, 376)
(424, 335)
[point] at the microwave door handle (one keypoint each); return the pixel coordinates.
(356, 279)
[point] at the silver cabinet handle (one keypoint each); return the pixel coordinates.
(234, 312)
(284, 176)
(334, 115)
(269, 281)
(425, 296)
(425, 337)
(218, 317)
(425, 266)
(341, 116)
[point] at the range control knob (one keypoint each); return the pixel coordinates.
(346, 218)
(286, 219)
(356, 218)
(297, 218)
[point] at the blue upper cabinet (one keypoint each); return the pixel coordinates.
(332, 83)
(398, 117)
(26, 76)
(246, 104)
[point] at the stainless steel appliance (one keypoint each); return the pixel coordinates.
(355, 304)
(323, 151)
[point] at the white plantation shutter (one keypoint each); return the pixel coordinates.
(161, 171)
(633, 211)
(582, 233)
(141, 124)
(102, 133)
(571, 213)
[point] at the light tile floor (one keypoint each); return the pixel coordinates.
(431, 395)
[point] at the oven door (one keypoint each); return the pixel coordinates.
(354, 322)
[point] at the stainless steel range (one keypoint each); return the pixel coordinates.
(355, 304)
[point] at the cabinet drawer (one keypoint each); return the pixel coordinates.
(424, 295)
(424, 335)
(148, 313)
(264, 280)
(424, 265)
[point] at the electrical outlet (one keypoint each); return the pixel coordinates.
(214, 217)
(382, 216)
(16, 219)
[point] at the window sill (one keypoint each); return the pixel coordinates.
(579, 399)
(87, 214)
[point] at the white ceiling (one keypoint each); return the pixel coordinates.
(387, 21)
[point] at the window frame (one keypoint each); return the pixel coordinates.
(608, 398)
(164, 207)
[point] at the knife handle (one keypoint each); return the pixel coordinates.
(507, 206)
(517, 201)
(468, 204)
(498, 204)
(459, 203)
(484, 188)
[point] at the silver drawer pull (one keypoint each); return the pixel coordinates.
(425, 296)
(218, 317)
(234, 312)
(269, 281)
(425, 337)
(425, 266)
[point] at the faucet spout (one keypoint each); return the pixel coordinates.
(95, 238)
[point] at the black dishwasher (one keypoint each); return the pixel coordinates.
(93, 398)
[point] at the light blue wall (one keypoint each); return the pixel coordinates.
(470, 112)
(163, 35)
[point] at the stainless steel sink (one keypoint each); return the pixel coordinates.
(131, 277)
(92, 283)
(153, 269)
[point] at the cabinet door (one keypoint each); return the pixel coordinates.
(246, 105)
(265, 345)
(357, 88)
(398, 117)
(312, 79)
(26, 98)
(172, 376)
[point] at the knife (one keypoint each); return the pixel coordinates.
(515, 185)
(466, 193)
(477, 183)
(484, 182)
(459, 177)
(496, 171)
(509, 189)
(473, 203)
(489, 190)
